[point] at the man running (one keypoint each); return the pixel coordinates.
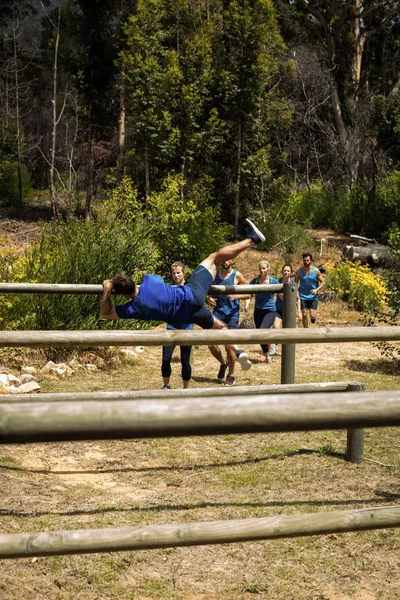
(227, 310)
(154, 300)
(310, 281)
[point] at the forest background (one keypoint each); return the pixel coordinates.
(155, 126)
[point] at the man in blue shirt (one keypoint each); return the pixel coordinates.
(154, 300)
(310, 281)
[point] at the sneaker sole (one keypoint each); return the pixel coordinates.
(256, 230)
(245, 363)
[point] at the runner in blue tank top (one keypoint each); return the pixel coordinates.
(264, 311)
(310, 281)
(178, 272)
(227, 310)
(286, 278)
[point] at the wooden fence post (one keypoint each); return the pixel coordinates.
(355, 436)
(289, 320)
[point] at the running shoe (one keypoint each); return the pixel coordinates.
(222, 371)
(166, 387)
(245, 363)
(230, 380)
(268, 360)
(272, 350)
(254, 233)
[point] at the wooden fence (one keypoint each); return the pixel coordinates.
(238, 411)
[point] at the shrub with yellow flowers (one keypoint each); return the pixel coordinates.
(356, 284)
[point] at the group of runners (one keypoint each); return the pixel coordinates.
(182, 304)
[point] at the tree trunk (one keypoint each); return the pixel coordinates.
(121, 137)
(238, 177)
(53, 198)
(89, 181)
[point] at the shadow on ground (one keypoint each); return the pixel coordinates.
(386, 367)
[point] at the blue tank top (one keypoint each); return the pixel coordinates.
(308, 282)
(225, 306)
(279, 302)
(266, 299)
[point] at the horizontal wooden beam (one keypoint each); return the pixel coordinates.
(61, 338)
(299, 388)
(188, 416)
(82, 541)
(81, 288)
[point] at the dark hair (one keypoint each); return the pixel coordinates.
(307, 254)
(287, 265)
(123, 285)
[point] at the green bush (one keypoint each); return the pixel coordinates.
(366, 211)
(78, 251)
(281, 232)
(185, 228)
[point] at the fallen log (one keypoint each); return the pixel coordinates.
(375, 255)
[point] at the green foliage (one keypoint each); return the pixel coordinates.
(368, 212)
(80, 251)
(357, 284)
(392, 315)
(186, 228)
(9, 183)
(281, 232)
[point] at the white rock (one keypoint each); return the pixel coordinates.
(29, 370)
(4, 389)
(26, 377)
(139, 349)
(4, 380)
(91, 367)
(13, 389)
(59, 372)
(12, 380)
(129, 355)
(48, 367)
(28, 388)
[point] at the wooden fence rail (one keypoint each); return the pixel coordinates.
(189, 416)
(81, 541)
(299, 388)
(61, 338)
(82, 288)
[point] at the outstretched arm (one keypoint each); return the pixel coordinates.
(106, 308)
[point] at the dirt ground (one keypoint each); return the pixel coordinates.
(81, 485)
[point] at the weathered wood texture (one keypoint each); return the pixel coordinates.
(298, 388)
(289, 320)
(60, 338)
(81, 288)
(50, 421)
(18, 545)
(372, 254)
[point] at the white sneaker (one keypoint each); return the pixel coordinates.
(245, 363)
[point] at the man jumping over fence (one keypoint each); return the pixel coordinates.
(154, 300)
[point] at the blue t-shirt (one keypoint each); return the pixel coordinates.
(158, 301)
(308, 282)
(265, 300)
(279, 302)
(226, 307)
